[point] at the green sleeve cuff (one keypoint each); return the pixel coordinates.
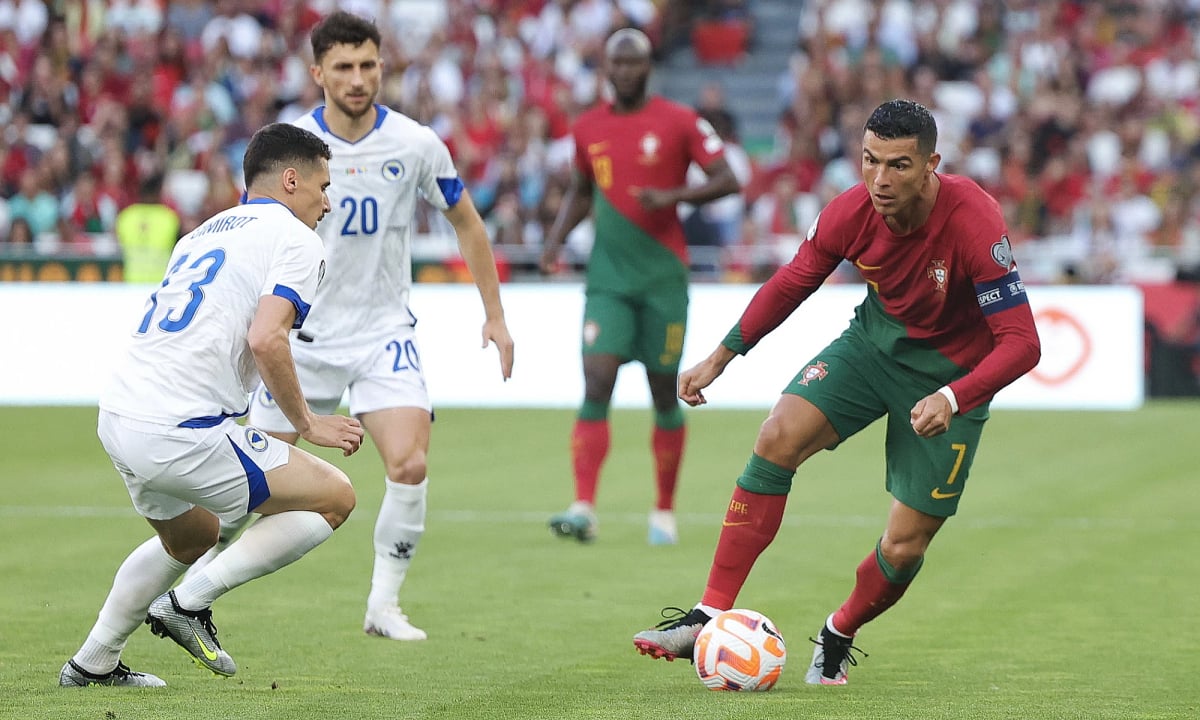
(733, 340)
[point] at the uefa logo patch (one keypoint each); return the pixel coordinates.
(256, 438)
(392, 171)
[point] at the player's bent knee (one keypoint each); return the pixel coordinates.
(777, 444)
(340, 501)
(409, 470)
(790, 441)
(903, 554)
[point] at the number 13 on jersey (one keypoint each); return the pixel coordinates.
(210, 263)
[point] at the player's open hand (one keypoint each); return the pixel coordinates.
(931, 415)
(496, 331)
(335, 431)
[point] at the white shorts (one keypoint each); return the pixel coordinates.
(168, 470)
(380, 374)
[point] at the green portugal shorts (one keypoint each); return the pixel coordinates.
(854, 384)
(647, 327)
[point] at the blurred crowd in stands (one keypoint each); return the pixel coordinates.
(1081, 118)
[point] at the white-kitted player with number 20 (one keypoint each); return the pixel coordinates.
(235, 288)
(361, 332)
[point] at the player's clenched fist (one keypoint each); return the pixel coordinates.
(931, 415)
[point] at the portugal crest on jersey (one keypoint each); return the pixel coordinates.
(649, 145)
(939, 274)
(816, 371)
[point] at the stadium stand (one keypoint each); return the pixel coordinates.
(1082, 118)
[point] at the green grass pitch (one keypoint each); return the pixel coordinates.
(1065, 588)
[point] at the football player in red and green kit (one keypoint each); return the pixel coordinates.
(944, 326)
(631, 161)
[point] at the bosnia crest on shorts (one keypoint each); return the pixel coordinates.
(256, 439)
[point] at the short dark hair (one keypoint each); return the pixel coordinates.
(897, 119)
(279, 145)
(342, 28)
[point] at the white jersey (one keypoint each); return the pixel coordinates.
(189, 363)
(374, 187)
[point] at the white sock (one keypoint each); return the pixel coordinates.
(708, 610)
(229, 532)
(147, 572)
(398, 529)
(266, 546)
(832, 629)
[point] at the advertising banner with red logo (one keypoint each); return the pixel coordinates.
(62, 340)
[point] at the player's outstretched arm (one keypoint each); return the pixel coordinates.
(268, 341)
(693, 380)
(476, 250)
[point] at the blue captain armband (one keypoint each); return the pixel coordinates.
(1001, 294)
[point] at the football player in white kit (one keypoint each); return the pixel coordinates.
(360, 335)
(235, 288)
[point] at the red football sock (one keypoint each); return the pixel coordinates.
(750, 525)
(668, 452)
(589, 447)
(873, 593)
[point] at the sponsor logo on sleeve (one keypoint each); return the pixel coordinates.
(1001, 294)
(989, 297)
(1002, 253)
(712, 141)
(812, 229)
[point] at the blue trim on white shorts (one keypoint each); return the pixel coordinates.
(208, 421)
(256, 479)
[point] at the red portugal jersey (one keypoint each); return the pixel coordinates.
(635, 248)
(944, 300)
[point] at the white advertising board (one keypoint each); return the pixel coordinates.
(60, 341)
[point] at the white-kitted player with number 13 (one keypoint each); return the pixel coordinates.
(360, 335)
(235, 288)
